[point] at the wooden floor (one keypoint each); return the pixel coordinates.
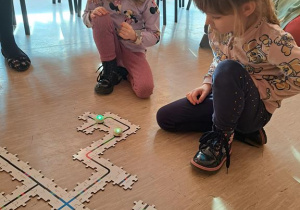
(39, 110)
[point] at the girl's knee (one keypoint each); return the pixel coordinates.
(144, 91)
(100, 21)
(228, 70)
(163, 119)
(227, 67)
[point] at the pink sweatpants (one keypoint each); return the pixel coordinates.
(109, 47)
(294, 28)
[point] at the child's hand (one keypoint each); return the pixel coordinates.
(99, 11)
(197, 95)
(127, 32)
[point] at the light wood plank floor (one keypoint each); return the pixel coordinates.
(39, 110)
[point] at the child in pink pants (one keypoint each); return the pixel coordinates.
(122, 31)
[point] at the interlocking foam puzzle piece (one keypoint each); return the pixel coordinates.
(22, 197)
(3, 199)
(139, 205)
(35, 184)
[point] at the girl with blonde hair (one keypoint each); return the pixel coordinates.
(256, 65)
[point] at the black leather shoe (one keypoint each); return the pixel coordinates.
(214, 150)
(107, 78)
(256, 138)
(121, 71)
(104, 87)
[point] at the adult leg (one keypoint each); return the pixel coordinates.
(183, 116)
(15, 57)
(293, 28)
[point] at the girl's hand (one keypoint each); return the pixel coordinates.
(127, 32)
(197, 95)
(99, 11)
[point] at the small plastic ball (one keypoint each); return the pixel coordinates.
(118, 132)
(99, 118)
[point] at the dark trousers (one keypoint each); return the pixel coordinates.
(234, 104)
(6, 25)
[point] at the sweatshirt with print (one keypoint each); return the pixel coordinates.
(269, 54)
(143, 17)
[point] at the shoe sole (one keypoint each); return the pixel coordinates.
(263, 135)
(209, 169)
(104, 92)
(252, 140)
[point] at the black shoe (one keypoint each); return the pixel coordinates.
(121, 71)
(256, 138)
(107, 78)
(214, 150)
(20, 62)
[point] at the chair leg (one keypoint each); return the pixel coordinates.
(189, 4)
(164, 10)
(53, 1)
(71, 7)
(25, 17)
(176, 5)
(59, 1)
(75, 6)
(165, 13)
(79, 8)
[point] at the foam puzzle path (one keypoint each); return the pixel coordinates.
(35, 184)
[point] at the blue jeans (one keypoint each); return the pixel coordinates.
(234, 104)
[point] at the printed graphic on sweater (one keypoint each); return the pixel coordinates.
(255, 50)
(286, 41)
(154, 8)
(116, 6)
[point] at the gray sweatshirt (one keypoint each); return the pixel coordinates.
(144, 19)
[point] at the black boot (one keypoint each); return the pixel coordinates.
(214, 150)
(108, 77)
(255, 139)
(122, 72)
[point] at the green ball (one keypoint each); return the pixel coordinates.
(118, 132)
(99, 118)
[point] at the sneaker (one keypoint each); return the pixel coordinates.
(256, 138)
(214, 150)
(107, 78)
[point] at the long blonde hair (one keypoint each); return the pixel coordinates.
(264, 8)
(135, 1)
